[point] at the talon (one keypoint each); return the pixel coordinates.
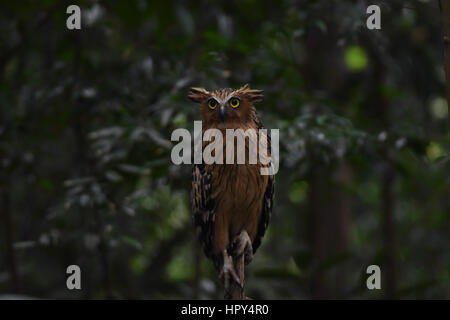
(243, 245)
(228, 272)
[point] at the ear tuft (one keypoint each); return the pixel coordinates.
(244, 87)
(252, 95)
(198, 94)
(256, 95)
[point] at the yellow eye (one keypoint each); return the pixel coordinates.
(212, 104)
(234, 102)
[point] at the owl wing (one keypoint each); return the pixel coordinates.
(266, 212)
(203, 206)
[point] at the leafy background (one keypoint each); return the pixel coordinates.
(86, 118)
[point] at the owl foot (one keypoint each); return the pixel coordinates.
(228, 273)
(243, 245)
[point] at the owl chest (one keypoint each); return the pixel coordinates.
(238, 187)
(239, 196)
(237, 181)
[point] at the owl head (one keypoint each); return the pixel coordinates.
(226, 108)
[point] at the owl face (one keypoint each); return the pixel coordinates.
(226, 108)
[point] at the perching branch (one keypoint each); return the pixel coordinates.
(445, 10)
(236, 292)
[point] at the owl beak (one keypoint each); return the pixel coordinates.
(222, 113)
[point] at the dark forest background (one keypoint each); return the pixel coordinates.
(85, 124)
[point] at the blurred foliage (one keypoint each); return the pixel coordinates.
(86, 118)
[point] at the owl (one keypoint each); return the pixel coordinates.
(231, 203)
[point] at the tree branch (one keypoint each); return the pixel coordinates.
(235, 291)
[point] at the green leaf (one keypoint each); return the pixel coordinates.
(297, 192)
(434, 151)
(131, 242)
(356, 58)
(138, 264)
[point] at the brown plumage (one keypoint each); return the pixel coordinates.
(231, 203)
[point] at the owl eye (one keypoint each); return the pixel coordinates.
(212, 104)
(234, 102)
